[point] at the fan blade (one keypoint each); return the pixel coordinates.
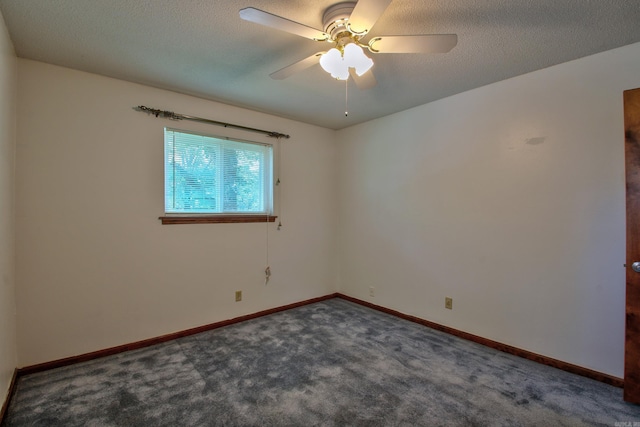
(296, 67)
(365, 15)
(365, 81)
(434, 43)
(279, 23)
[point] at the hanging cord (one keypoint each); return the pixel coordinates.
(267, 270)
(278, 172)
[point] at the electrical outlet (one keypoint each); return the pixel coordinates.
(448, 303)
(238, 296)
(372, 291)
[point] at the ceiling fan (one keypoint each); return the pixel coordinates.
(345, 26)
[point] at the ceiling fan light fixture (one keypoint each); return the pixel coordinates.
(338, 63)
(344, 25)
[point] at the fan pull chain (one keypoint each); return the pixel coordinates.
(346, 97)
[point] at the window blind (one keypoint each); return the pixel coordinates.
(205, 174)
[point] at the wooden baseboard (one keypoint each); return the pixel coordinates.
(164, 338)
(7, 400)
(579, 370)
(574, 369)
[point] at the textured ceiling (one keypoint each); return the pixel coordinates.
(203, 48)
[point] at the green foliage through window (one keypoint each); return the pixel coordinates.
(204, 174)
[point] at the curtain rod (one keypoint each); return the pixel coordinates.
(175, 116)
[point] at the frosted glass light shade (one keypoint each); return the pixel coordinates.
(354, 57)
(337, 64)
(333, 63)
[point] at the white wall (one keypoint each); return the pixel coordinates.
(510, 199)
(7, 228)
(95, 268)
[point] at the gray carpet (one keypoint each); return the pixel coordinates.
(332, 363)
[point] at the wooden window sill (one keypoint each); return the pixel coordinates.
(215, 219)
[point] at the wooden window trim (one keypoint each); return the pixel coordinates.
(215, 219)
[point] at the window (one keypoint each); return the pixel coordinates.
(208, 175)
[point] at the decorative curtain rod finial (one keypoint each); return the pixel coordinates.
(164, 113)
